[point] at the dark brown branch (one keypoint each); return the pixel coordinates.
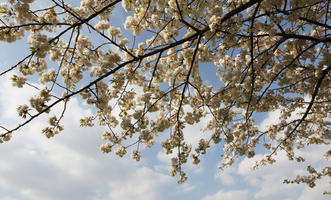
(20, 62)
(36, 24)
(252, 63)
(188, 78)
(315, 22)
(313, 97)
(154, 70)
(304, 37)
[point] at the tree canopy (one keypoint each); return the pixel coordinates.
(144, 78)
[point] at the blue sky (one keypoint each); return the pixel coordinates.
(70, 166)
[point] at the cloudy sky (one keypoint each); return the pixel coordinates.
(70, 166)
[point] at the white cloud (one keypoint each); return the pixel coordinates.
(12, 97)
(70, 165)
(165, 158)
(144, 184)
(193, 133)
(8, 198)
(315, 193)
(227, 195)
(186, 187)
(272, 118)
(226, 176)
(268, 179)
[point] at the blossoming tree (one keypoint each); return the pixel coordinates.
(269, 55)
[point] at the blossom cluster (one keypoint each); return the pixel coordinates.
(267, 56)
